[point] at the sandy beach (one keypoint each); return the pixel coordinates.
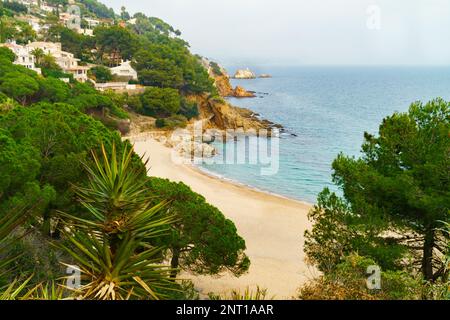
(272, 226)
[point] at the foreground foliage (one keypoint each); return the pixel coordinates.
(112, 249)
(239, 295)
(396, 200)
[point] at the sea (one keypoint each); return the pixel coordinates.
(325, 111)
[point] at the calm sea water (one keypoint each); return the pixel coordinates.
(328, 109)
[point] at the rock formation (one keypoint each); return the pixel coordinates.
(222, 81)
(244, 74)
(240, 92)
(214, 112)
(219, 114)
(223, 85)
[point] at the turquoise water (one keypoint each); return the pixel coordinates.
(328, 109)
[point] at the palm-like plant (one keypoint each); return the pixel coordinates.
(38, 54)
(111, 247)
(14, 290)
(247, 294)
(8, 224)
(447, 261)
(47, 291)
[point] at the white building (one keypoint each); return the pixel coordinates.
(116, 86)
(132, 21)
(35, 23)
(69, 20)
(73, 22)
(24, 57)
(125, 70)
(29, 3)
(92, 23)
(65, 60)
(47, 8)
(86, 32)
(51, 48)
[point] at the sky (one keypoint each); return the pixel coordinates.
(308, 32)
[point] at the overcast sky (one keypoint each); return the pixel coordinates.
(308, 32)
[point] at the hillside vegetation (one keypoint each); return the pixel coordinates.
(72, 192)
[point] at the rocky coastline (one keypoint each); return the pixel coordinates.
(215, 114)
(221, 114)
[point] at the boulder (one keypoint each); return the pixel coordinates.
(187, 149)
(244, 74)
(240, 92)
(207, 138)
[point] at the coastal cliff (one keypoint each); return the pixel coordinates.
(222, 81)
(213, 110)
(219, 114)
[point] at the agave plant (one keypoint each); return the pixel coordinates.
(48, 291)
(247, 294)
(111, 247)
(15, 290)
(8, 224)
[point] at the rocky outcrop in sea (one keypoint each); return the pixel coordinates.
(244, 74)
(240, 92)
(222, 81)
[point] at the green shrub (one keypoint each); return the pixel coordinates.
(7, 53)
(160, 123)
(189, 109)
(349, 282)
(216, 68)
(15, 6)
(160, 102)
(101, 74)
(175, 121)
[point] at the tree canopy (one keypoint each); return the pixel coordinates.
(160, 101)
(397, 196)
(201, 240)
(101, 74)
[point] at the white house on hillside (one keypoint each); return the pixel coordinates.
(35, 23)
(125, 70)
(92, 23)
(29, 3)
(47, 8)
(24, 57)
(132, 21)
(118, 87)
(68, 19)
(65, 60)
(51, 48)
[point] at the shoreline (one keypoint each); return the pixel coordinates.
(272, 226)
(243, 185)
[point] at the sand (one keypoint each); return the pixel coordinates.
(272, 226)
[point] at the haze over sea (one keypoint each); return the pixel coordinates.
(328, 109)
